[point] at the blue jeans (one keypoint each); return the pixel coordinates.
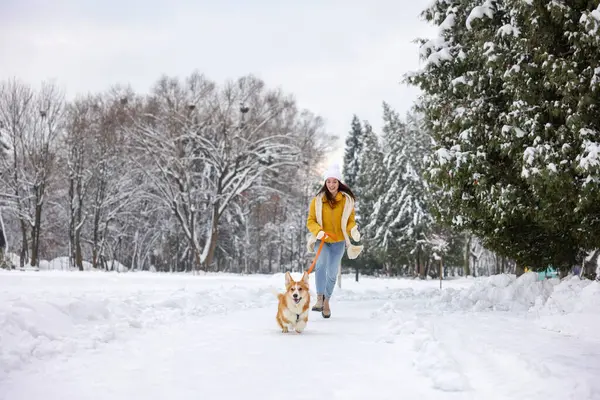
(327, 266)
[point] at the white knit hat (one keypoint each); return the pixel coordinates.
(333, 172)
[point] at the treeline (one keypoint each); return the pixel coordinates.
(193, 175)
(396, 205)
(509, 139)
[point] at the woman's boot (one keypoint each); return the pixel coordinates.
(319, 304)
(326, 313)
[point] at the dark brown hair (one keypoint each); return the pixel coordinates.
(329, 196)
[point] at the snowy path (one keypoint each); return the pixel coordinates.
(237, 355)
(384, 341)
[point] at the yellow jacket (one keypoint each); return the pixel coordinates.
(332, 218)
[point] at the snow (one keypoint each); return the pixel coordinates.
(596, 78)
(529, 155)
(508, 29)
(489, 48)
(438, 56)
(515, 69)
(590, 24)
(448, 23)
(443, 155)
(592, 155)
(486, 9)
(436, 50)
(458, 220)
(518, 131)
(459, 80)
(99, 335)
(596, 13)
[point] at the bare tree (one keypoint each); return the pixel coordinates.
(114, 190)
(173, 180)
(209, 146)
(270, 229)
(16, 101)
(32, 121)
(77, 140)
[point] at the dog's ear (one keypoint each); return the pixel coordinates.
(305, 277)
(288, 278)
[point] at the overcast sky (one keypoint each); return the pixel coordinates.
(336, 57)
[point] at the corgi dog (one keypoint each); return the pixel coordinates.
(292, 311)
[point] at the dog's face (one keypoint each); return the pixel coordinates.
(296, 290)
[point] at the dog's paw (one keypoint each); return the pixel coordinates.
(285, 330)
(299, 330)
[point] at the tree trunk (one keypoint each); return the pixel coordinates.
(75, 224)
(3, 242)
(71, 221)
(78, 254)
(95, 239)
(24, 246)
(35, 232)
(441, 272)
(467, 257)
(421, 264)
(356, 274)
(213, 238)
(519, 270)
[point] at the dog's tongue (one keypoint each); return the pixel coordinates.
(297, 300)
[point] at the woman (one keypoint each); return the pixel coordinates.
(331, 211)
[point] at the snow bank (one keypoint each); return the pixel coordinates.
(573, 308)
(63, 264)
(570, 306)
(496, 326)
(525, 294)
(49, 314)
(498, 292)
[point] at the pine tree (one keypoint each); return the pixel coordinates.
(372, 175)
(511, 97)
(358, 185)
(385, 209)
(352, 153)
(370, 183)
(409, 218)
(414, 213)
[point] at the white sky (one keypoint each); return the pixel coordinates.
(337, 57)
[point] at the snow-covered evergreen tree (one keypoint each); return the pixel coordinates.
(400, 219)
(380, 234)
(352, 153)
(511, 96)
(370, 184)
